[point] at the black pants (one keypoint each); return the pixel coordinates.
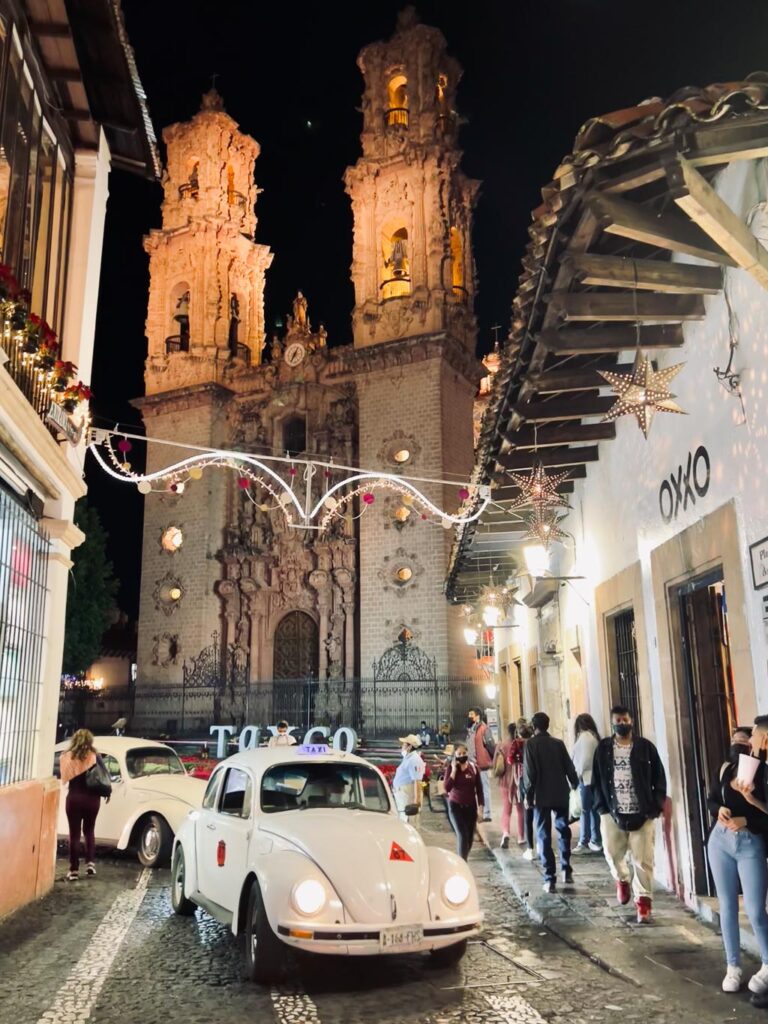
(463, 818)
(82, 807)
(544, 835)
(529, 828)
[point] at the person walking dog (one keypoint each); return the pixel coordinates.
(83, 801)
(549, 775)
(629, 788)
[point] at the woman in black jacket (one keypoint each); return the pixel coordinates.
(737, 852)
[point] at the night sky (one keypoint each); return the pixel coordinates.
(534, 71)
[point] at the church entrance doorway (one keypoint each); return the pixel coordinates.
(296, 647)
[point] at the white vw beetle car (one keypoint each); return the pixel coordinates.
(302, 846)
(151, 795)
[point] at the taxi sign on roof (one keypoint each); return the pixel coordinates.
(312, 748)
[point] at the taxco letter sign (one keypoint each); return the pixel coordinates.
(343, 739)
(682, 487)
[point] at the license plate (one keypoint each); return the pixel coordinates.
(407, 935)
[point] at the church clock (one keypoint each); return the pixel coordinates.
(295, 353)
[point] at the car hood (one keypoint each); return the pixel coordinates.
(178, 787)
(354, 849)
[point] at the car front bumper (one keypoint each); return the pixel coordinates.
(362, 940)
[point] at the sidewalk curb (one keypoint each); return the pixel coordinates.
(537, 917)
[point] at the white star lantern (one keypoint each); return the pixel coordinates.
(538, 489)
(642, 393)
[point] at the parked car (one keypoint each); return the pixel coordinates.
(151, 795)
(302, 847)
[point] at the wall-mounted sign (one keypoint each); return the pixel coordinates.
(758, 554)
(58, 418)
(681, 488)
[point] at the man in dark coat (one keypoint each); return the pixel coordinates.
(549, 776)
(629, 789)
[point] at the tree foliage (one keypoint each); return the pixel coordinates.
(91, 594)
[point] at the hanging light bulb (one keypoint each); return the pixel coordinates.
(536, 559)
(491, 615)
(470, 636)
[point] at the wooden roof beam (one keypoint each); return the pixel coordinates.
(569, 433)
(576, 378)
(645, 275)
(583, 341)
(563, 409)
(715, 218)
(627, 307)
(552, 458)
(661, 230)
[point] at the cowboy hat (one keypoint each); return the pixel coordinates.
(410, 739)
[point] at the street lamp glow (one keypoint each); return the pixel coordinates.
(470, 636)
(536, 559)
(491, 615)
(490, 691)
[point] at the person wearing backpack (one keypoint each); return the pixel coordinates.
(482, 748)
(83, 799)
(507, 768)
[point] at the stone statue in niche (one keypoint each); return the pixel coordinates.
(300, 320)
(234, 324)
(276, 349)
(333, 646)
(181, 316)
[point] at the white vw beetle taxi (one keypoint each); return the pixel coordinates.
(151, 795)
(301, 846)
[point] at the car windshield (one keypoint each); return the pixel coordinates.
(297, 786)
(143, 761)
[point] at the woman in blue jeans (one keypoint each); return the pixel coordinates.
(737, 854)
(587, 737)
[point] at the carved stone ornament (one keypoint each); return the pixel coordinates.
(168, 593)
(398, 441)
(166, 649)
(399, 571)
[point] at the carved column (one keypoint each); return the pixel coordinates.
(320, 582)
(346, 581)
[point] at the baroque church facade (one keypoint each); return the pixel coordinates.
(233, 597)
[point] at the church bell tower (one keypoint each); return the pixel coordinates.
(414, 335)
(412, 264)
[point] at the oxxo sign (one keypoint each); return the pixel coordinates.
(343, 739)
(682, 487)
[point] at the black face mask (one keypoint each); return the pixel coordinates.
(736, 749)
(462, 759)
(622, 729)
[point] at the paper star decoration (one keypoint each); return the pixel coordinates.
(543, 526)
(643, 392)
(538, 489)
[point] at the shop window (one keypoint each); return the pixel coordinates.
(397, 102)
(396, 264)
(295, 435)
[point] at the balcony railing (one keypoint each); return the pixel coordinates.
(33, 383)
(176, 343)
(396, 116)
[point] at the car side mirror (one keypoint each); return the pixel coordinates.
(411, 810)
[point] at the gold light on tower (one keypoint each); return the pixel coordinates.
(172, 539)
(401, 456)
(402, 513)
(175, 593)
(403, 574)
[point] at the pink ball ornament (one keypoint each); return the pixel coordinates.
(463, 493)
(174, 488)
(292, 471)
(369, 498)
(124, 445)
(243, 483)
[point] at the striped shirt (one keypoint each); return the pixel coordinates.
(623, 784)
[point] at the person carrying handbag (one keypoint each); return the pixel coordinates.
(88, 780)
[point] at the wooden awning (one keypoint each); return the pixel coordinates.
(629, 239)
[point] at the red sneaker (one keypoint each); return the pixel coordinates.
(643, 904)
(623, 893)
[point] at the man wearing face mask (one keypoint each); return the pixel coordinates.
(406, 784)
(629, 788)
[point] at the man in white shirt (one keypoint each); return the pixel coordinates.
(282, 737)
(406, 784)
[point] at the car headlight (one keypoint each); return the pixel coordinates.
(456, 890)
(309, 897)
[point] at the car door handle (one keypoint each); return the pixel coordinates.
(211, 826)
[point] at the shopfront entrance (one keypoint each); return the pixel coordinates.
(706, 700)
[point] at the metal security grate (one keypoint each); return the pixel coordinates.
(23, 575)
(626, 663)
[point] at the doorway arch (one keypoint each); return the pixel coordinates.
(297, 642)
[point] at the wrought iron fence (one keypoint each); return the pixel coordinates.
(375, 708)
(23, 589)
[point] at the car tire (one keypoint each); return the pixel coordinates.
(261, 952)
(449, 956)
(181, 905)
(155, 840)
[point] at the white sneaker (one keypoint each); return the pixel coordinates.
(528, 855)
(758, 983)
(732, 979)
(595, 847)
(580, 849)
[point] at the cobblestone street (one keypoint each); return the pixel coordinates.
(110, 950)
